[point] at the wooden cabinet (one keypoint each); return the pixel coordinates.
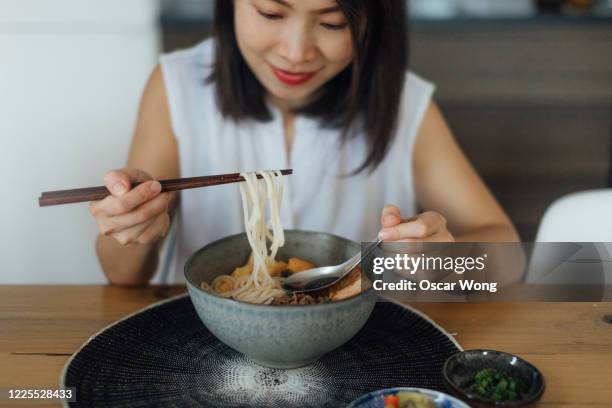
(530, 102)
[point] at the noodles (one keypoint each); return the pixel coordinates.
(260, 280)
(259, 286)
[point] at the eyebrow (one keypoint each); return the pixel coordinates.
(326, 10)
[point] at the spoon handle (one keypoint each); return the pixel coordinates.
(356, 260)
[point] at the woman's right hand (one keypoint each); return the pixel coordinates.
(132, 215)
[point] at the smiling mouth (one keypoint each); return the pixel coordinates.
(292, 78)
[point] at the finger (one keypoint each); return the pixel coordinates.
(105, 225)
(133, 198)
(130, 235)
(112, 206)
(147, 211)
(93, 208)
(390, 216)
(101, 207)
(415, 229)
(443, 236)
(422, 226)
(439, 237)
(119, 182)
(158, 229)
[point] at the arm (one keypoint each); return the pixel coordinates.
(459, 205)
(128, 259)
(446, 183)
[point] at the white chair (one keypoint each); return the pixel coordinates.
(581, 217)
(584, 216)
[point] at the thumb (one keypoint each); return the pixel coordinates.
(390, 216)
(119, 182)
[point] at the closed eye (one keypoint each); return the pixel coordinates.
(269, 16)
(334, 27)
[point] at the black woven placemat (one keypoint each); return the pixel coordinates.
(165, 357)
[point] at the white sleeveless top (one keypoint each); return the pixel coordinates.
(316, 198)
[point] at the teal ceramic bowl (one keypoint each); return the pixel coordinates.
(277, 336)
(376, 399)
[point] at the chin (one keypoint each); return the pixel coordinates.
(291, 95)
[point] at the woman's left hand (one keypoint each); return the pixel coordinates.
(429, 226)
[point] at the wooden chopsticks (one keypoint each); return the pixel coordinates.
(80, 195)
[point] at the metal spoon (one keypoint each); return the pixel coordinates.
(320, 278)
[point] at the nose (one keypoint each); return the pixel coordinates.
(297, 45)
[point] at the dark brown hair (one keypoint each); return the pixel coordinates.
(365, 96)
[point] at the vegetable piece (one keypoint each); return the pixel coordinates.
(495, 385)
(244, 270)
(391, 401)
(414, 400)
(296, 265)
(348, 286)
(276, 268)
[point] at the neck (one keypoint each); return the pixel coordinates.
(288, 108)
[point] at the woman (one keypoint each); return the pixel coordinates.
(320, 86)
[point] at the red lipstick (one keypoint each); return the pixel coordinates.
(292, 78)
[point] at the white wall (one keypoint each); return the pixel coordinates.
(71, 76)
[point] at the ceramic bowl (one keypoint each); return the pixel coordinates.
(376, 399)
(287, 336)
(461, 367)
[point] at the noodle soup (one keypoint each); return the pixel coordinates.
(227, 285)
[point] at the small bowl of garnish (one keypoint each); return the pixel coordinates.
(407, 397)
(489, 378)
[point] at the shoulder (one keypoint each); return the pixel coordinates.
(198, 59)
(417, 80)
(202, 52)
(416, 88)
(417, 96)
(434, 137)
(185, 76)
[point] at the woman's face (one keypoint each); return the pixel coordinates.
(293, 46)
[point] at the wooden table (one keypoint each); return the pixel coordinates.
(41, 326)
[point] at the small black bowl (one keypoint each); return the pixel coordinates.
(461, 367)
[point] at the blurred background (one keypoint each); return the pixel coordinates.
(526, 86)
